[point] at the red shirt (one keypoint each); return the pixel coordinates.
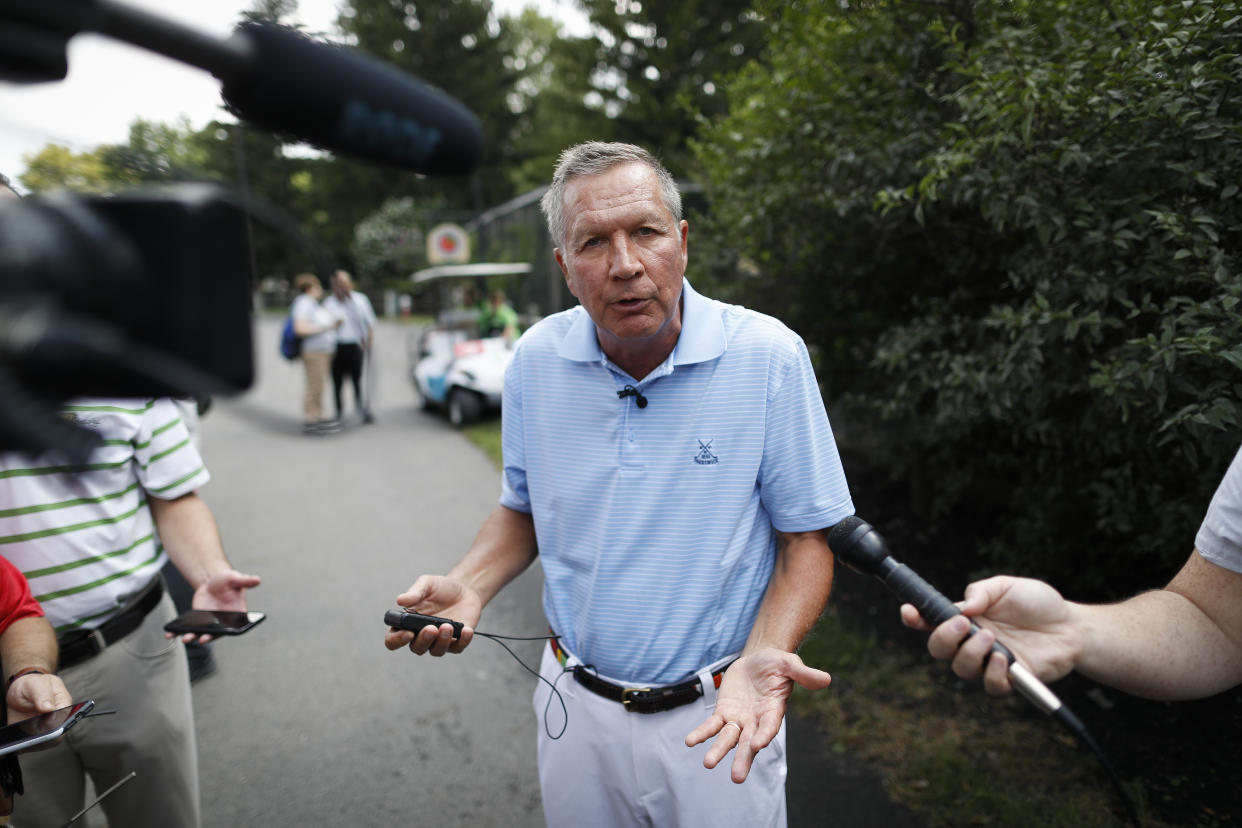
(16, 602)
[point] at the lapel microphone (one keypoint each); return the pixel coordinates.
(631, 391)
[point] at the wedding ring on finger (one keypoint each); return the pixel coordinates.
(735, 724)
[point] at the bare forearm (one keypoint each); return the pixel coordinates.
(28, 643)
(189, 533)
(1184, 641)
(504, 547)
(797, 593)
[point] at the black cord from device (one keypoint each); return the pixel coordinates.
(555, 693)
(1072, 723)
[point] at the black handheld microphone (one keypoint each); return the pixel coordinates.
(631, 391)
(862, 549)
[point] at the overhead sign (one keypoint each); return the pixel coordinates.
(448, 244)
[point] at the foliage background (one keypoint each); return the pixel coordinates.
(1010, 232)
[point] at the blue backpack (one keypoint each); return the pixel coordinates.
(290, 342)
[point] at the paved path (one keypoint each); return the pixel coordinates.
(309, 720)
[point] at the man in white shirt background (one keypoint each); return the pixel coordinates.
(353, 342)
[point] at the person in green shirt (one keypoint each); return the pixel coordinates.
(498, 318)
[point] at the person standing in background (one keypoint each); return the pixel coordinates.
(498, 318)
(354, 339)
(317, 327)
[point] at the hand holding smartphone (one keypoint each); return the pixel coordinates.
(37, 730)
(214, 622)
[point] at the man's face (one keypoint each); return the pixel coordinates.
(341, 285)
(624, 257)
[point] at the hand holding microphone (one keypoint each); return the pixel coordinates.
(1030, 614)
(860, 547)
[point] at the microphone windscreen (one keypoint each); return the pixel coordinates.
(856, 544)
(348, 102)
(840, 533)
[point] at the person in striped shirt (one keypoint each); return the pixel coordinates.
(91, 541)
(669, 461)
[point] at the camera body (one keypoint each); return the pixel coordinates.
(142, 294)
(165, 270)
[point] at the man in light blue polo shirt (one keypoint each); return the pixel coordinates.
(669, 459)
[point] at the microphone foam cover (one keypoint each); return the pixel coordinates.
(345, 101)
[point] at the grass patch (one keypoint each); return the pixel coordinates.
(947, 751)
(486, 435)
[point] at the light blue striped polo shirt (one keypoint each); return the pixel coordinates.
(655, 525)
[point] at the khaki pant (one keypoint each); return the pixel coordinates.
(145, 679)
(317, 365)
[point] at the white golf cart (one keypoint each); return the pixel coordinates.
(454, 369)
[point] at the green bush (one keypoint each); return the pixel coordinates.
(1010, 234)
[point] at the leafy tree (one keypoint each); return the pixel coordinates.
(551, 95)
(58, 167)
(1008, 231)
(390, 244)
(154, 153)
(460, 47)
(256, 165)
(659, 67)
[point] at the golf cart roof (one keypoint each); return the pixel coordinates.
(469, 270)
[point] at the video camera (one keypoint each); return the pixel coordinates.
(148, 292)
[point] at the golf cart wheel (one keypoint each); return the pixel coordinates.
(464, 407)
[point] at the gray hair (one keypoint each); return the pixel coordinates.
(597, 158)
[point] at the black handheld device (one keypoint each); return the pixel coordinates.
(45, 728)
(214, 622)
(415, 621)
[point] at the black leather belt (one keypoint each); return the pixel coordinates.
(82, 645)
(637, 699)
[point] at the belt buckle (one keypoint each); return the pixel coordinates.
(629, 692)
(97, 637)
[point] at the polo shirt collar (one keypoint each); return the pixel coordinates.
(702, 335)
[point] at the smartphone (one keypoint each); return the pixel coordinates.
(214, 622)
(45, 728)
(414, 621)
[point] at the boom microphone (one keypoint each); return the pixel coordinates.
(343, 100)
(330, 96)
(862, 549)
